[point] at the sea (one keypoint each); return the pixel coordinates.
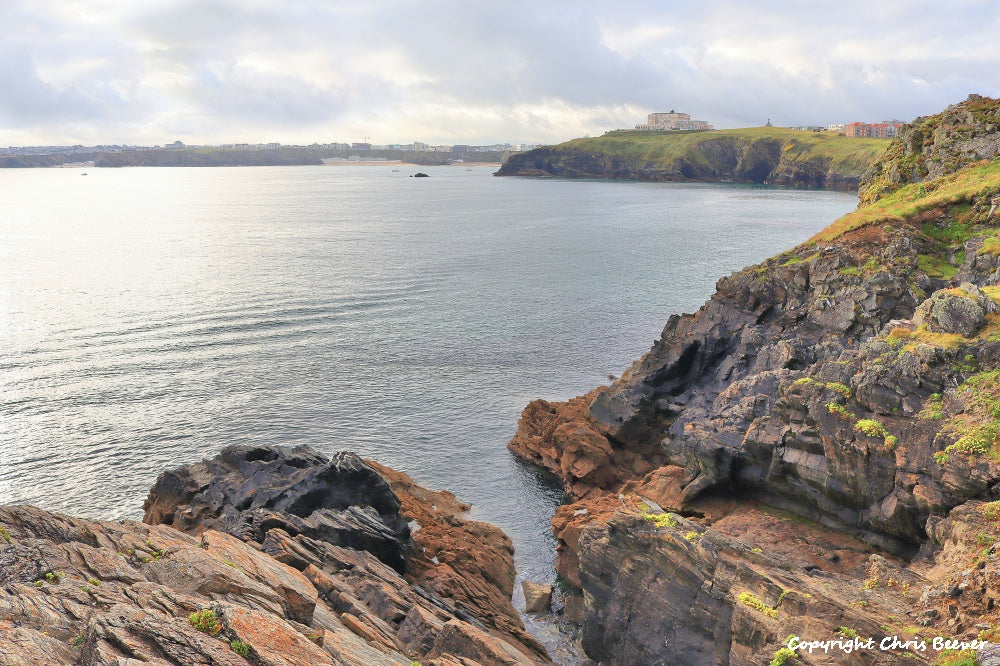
(150, 317)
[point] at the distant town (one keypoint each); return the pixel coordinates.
(359, 151)
(363, 146)
(675, 121)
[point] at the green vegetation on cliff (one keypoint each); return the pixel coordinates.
(766, 155)
(847, 155)
(908, 201)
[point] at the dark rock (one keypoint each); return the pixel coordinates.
(850, 382)
(420, 174)
(952, 311)
(247, 491)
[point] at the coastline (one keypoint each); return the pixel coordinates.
(338, 162)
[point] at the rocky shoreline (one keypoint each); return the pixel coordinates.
(814, 454)
(816, 451)
(264, 555)
(766, 156)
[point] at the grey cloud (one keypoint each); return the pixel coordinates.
(734, 64)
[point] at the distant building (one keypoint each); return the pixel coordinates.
(836, 127)
(658, 122)
(884, 130)
(361, 146)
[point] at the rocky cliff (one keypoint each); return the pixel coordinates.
(263, 556)
(771, 156)
(814, 452)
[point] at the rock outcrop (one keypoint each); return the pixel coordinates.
(850, 387)
(273, 567)
(933, 146)
(780, 157)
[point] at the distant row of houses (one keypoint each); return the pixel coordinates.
(676, 121)
(887, 129)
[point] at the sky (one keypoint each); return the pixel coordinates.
(466, 71)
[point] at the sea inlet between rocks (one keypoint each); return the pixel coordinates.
(151, 316)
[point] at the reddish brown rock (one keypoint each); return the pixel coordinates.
(563, 438)
(92, 592)
(474, 560)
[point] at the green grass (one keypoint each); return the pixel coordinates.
(955, 188)
(841, 411)
(978, 426)
(205, 621)
(783, 657)
(957, 658)
(660, 519)
(750, 600)
(846, 155)
(240, 648)
(990, 510)
(936, 267)
(873, 428)
(935, 408)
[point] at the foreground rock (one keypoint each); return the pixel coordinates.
(815, 451)
(281, 592)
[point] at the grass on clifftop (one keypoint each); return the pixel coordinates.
(959, 187)
(846, 154)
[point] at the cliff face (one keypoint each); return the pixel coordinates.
(850, 382)
(778, 157)
(263, 556)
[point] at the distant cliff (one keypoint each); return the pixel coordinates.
(209, 157)
(765, 155)
(281, 156)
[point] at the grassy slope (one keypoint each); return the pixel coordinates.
(847, 154)
(959, 187)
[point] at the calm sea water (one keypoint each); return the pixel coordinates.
(150, 317)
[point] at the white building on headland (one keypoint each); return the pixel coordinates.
(672, 121)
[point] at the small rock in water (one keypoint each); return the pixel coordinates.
(537, 597)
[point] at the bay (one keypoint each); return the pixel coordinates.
(150, 317)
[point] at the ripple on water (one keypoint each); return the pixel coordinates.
(149, 317)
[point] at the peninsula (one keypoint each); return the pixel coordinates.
(764, 155)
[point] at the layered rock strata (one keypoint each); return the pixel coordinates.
(814, 452)
(284, 557)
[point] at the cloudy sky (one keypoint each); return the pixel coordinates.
(299, 71)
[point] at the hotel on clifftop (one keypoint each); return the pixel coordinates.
(672, 121)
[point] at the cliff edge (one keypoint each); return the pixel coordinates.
(763, 155)
(812, 453)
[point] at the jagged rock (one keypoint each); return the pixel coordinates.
(850, 381)
(537, 597)
(247, 491)
(951, 311)
(936, 145)
(93, 592)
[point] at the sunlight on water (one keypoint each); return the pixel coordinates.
(152, 316)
